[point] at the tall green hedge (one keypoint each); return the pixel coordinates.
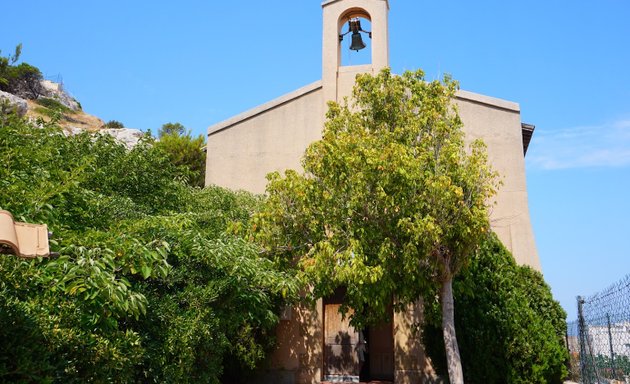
(509, 327)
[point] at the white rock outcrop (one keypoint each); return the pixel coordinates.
(15, 102)
(71, 131)
(127, 136)
(56, 91)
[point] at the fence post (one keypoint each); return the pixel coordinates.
(612, 353)
(582, 337)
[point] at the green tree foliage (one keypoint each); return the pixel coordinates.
(6, 64)
(391, 204)
(23, 80)
(171, 129)
(185, 151)
(509, 328)
(150, 286)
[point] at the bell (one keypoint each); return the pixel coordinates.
(357, 42)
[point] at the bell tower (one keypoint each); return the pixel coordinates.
(338, 80)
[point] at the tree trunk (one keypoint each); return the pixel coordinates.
(453, 360)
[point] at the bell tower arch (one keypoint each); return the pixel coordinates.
(337, 80)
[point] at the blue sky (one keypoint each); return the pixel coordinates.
(567, 63)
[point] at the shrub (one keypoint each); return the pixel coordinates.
(509, 328)
(53, 109)
(53, 104)
(151, 286)
(113, 124)
(53, 114)
(186, 152)
(25, 81)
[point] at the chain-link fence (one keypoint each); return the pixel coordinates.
(599, 341)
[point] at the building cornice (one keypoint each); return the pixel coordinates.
(328, 2)
(460, 95)
(265, 107)
(487, 100)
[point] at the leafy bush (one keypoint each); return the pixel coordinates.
(53, 109)
(186, 152)
(509, 328)
(25, 81)
(53, 104)
(113, 124)
(151, 286)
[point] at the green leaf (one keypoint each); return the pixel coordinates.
(146, 271)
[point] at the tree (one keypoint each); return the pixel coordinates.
(508, 310)
(5, 65)
(171, 129)
(185, 151)
(25, 81)
(392, 203)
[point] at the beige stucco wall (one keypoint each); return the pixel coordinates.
(411, 364)
(298, 357)
(498, 123)
(241, 151)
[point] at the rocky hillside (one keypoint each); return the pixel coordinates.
(55, 103)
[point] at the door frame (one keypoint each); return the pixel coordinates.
(338, 297)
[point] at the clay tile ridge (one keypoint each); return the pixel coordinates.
(23, 239)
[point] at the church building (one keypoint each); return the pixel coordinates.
(316, 344)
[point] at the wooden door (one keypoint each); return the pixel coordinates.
(341, 362)
(381, 352)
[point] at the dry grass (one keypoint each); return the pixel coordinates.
(78, 119)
